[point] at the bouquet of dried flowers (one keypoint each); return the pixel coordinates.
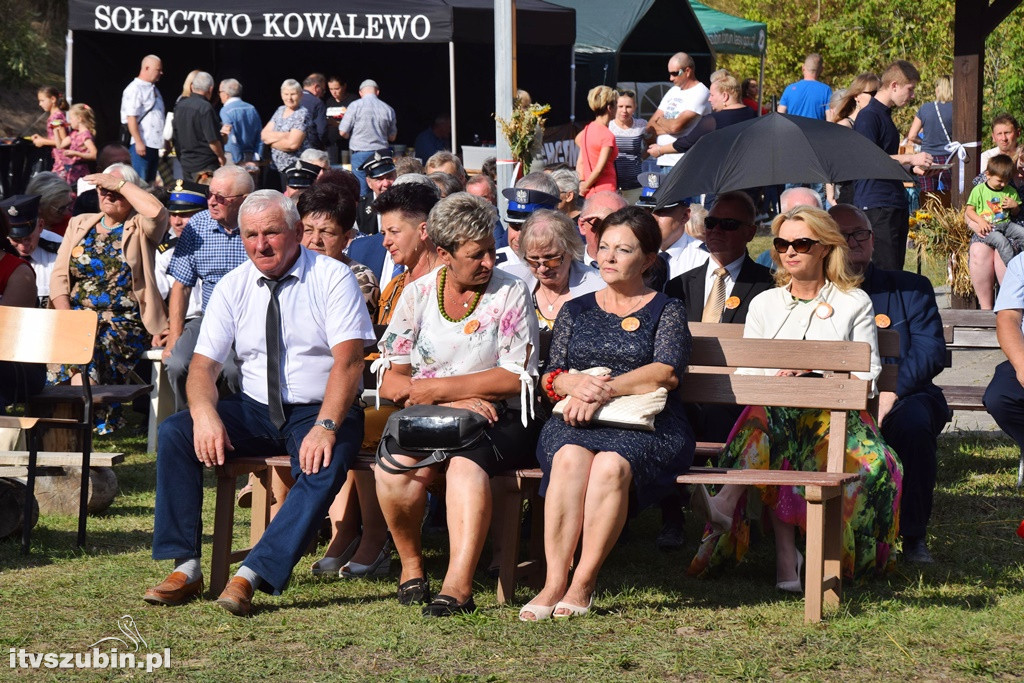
(941, 233)
(521, 130)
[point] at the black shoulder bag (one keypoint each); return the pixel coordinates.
(432, 430)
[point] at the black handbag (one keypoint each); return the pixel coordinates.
(434, 430)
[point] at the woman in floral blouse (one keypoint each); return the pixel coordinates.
(106, 263)
(464, 336)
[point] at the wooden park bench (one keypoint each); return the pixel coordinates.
(717, 349)
(971, 330)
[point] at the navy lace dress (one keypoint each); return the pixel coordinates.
(586, 336)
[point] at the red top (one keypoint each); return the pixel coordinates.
(8, 264)
(596, 137)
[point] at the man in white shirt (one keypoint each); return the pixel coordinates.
(681, 107)
(299, 326)
(142, 110)
(679, 250)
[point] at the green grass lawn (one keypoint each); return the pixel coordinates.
(961, 618)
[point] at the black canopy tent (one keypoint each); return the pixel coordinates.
(428, 56)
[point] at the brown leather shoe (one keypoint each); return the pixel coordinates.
(237, 597)
(174, 590)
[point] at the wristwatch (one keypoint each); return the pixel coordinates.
(329, 425)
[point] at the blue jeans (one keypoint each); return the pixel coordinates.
(358, 159)
(145, 166)
(178, 527)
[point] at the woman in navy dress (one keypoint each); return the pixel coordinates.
(641, 335)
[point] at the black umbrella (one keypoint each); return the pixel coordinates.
(774, 150)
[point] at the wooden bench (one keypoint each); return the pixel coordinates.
(161, 397)
(716, 350)
(970, 330)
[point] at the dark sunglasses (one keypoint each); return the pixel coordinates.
(800, 246)
(627, 93)
(114, 195)
(869, 92)
(223, 198)
(549, 263)
(858, 236)
(728, 224)
(680, 72)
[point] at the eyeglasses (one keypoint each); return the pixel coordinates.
(549, 263)
(801, 245)
(114, 196)
(627, 93)
(592, 222)
(680, 72)
(858, 236)
(223, 198)
(728, 224)
(869, 92)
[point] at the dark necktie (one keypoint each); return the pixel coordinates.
(274, 404)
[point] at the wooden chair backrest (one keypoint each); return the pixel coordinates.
(32, 335)
(967, 329)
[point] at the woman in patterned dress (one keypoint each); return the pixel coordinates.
(285, 132)
(589, 470)
(463, 336)
(817, 298)
(106, 263)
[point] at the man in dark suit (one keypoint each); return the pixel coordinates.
(380, 175)
(912, 418)
(729, 227)
(718, 291)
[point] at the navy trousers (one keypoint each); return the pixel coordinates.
(1004, 401)
(178, 528)
(912, 429)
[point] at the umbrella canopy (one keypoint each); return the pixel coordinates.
(773, 150)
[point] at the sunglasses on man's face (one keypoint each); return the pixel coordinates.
(727, 224)
(800, 246)
(680, 72)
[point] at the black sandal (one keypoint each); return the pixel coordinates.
(414, 591)
(446, 606)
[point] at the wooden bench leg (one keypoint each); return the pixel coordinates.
(223, 531)
(508, 506)
(815, 555)
(1020, 470)
(538, 562)
(260, 510)
(834, 550)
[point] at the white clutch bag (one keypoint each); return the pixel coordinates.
(626, 412)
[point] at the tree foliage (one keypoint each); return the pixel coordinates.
(22, 49)
(854, 36)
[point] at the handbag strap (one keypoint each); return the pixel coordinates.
(938, 115)
(387, 462)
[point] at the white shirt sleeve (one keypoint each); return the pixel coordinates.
(217, 333)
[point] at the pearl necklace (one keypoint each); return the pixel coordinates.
(470, 305)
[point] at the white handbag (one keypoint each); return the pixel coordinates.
(626, 412)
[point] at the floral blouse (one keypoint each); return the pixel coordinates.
(500, 332)
(285, 124)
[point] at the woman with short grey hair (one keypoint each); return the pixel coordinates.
(285, 133)
(569, 200)
(461, 336)
(551, 253)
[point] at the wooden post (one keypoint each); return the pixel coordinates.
(968, 72)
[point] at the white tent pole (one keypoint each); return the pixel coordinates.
(69, 43)
(760, 88)
(502, 72)
(451, 78)
(572, 88)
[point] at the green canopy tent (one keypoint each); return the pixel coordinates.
(733, 35)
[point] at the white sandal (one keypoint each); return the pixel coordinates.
(539, 612)
(574, 610)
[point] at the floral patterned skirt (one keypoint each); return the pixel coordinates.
(797, 439)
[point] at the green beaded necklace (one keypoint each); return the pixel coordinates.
(440, 301)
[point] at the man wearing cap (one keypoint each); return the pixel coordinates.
(208, 249)
(370, 127)
(379, 171)
(298, 177)
(240, 124)
(912, 418)
(197, 131)
(185, 200)
(533, 191)
(679, 251)
(34, 244)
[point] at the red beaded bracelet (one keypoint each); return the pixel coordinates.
(549, 385)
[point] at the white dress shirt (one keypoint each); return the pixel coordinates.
(321, 306)
(685, 254)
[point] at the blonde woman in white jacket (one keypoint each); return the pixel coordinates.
(816, 298)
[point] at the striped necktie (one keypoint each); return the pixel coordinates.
(716, 300)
